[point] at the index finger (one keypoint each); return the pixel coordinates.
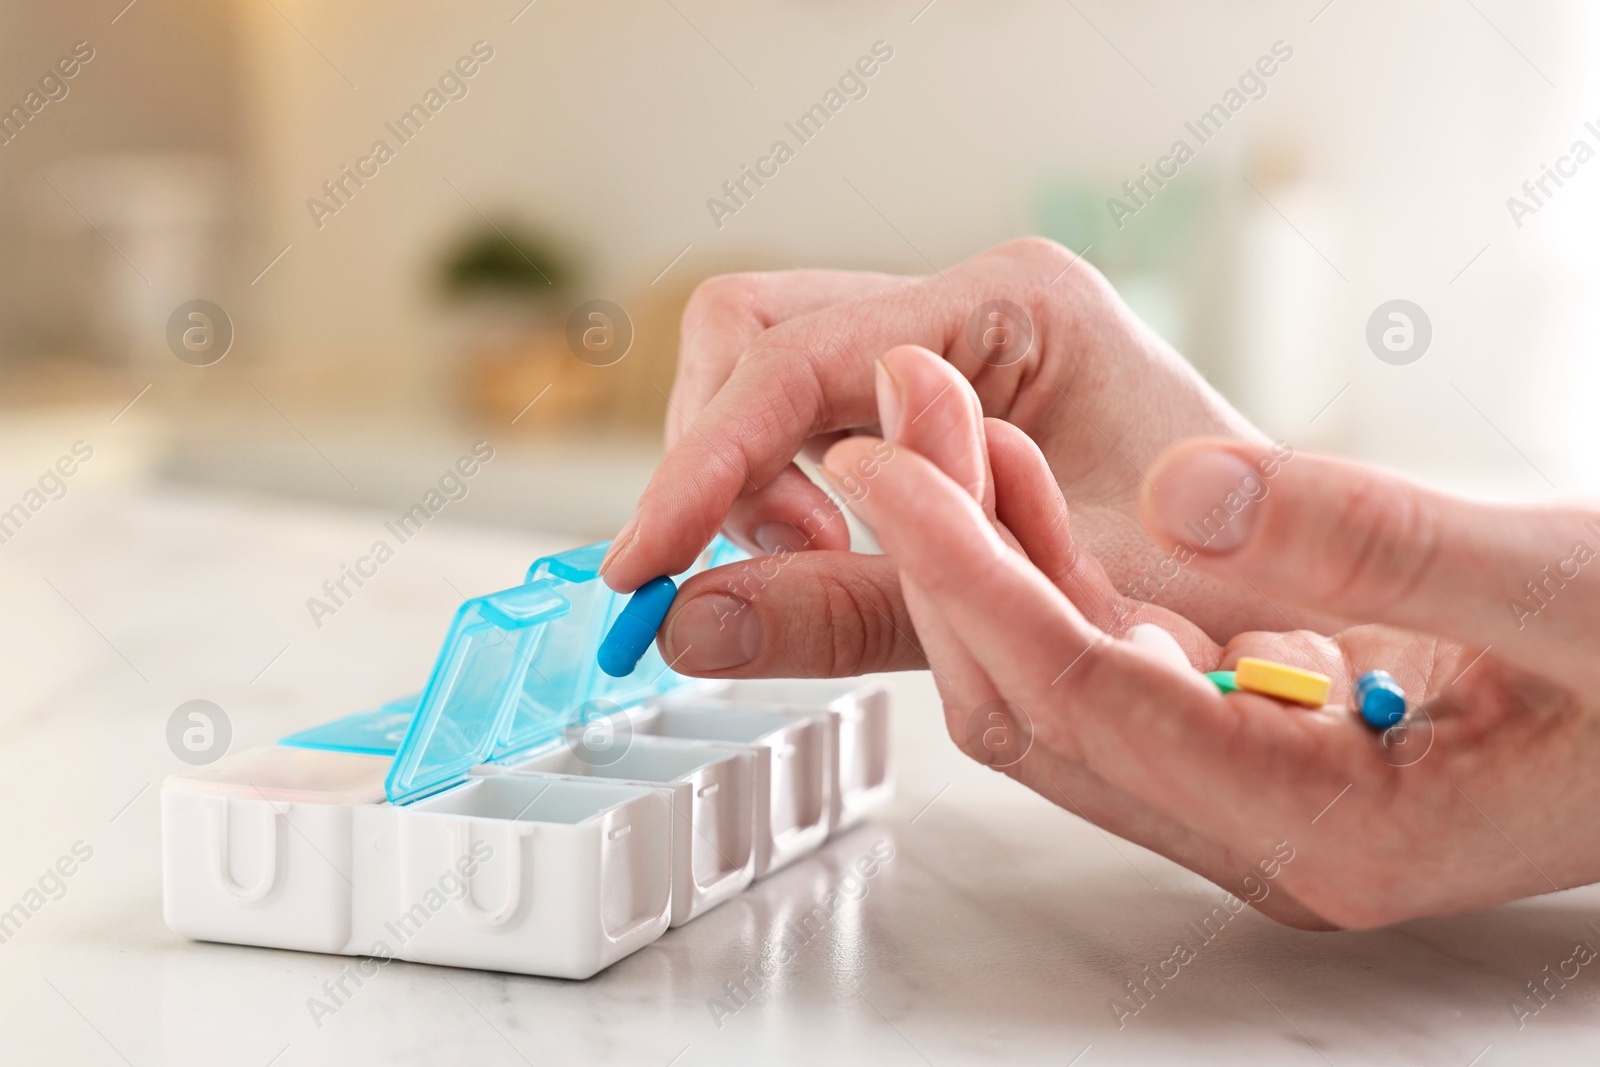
(811, 375)
(727, 313)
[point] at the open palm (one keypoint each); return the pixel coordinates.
(1484, 795)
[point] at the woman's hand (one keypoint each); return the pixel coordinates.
(776, 364)
(1488, 791)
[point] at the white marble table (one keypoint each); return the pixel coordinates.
(997, 933)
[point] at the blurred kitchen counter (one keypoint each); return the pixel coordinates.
(268, 441)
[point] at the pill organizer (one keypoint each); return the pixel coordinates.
(525, 812)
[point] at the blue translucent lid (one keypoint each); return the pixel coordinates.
(370, 733)
(516, 669)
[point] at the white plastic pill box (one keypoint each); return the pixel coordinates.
(525, 812)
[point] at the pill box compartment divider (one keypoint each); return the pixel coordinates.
(793, 756)
(711, 791)
(480, 837)
(864, 777)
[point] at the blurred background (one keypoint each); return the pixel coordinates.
(375, 336)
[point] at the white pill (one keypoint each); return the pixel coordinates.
(1148, 635)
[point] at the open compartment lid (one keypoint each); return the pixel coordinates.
(519, 666)
(368, 733)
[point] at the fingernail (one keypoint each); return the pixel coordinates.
(891, 401)
(775, 537)
(619, 543)
(712, 633)
(1207, 499)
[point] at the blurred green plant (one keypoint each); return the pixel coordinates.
(506, 260)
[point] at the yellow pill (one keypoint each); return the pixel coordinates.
(1286, 683)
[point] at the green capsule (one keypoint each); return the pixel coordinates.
(1223, 680)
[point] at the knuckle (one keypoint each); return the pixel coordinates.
(795, 365)
(720, 295)
(1035, 251)
(860, 634)
(1387, 544)
(1053, 279)
(779, 414)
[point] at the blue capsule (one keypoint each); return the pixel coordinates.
(1380, 698)
(636, 627)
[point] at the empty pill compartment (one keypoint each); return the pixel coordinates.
(541, 875)
(794, 759)
(257, 847)
(863, 773)
(712, 792)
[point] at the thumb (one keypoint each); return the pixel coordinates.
(1370, 546)
(814, 614)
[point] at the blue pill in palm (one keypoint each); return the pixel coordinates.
(630, 636)
(1380, 698)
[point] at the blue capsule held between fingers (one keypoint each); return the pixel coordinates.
(1380, 698)
(630, 636)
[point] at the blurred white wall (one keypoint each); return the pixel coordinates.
(1387, 147)
(1410, 126)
